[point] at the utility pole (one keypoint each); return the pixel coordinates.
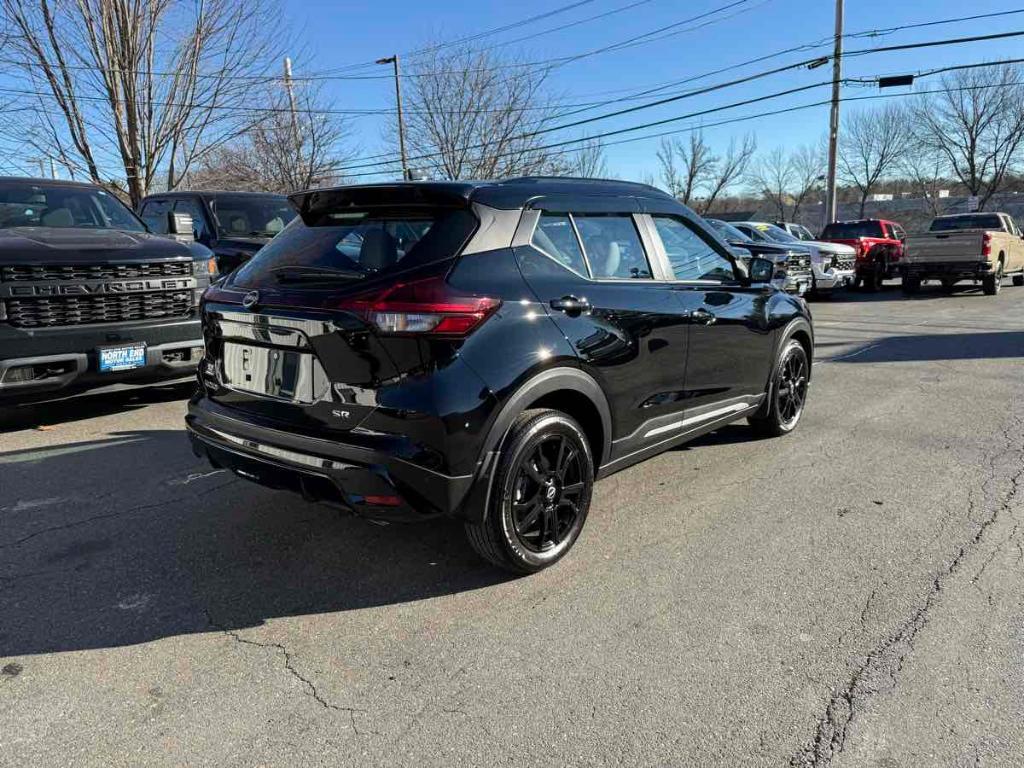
(291, 102)
(833, 126)
(401, 122)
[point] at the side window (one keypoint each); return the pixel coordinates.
(555, 236)
(691, 257)
(192, 206)
(154, 213)
(613, 246)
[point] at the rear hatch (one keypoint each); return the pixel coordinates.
(344, 311)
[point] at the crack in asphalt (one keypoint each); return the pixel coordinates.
(87, 520)
(310, 687)
(888, 657)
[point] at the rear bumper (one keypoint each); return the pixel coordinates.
(948, 270)
(65, 359)
(370, 483)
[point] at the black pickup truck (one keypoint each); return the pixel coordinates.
(89, 296)
(234, 225)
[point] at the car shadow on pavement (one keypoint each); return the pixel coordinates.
(893, 292)
(89, 405)
(992, 345)
(131, 539)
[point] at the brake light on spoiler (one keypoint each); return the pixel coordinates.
(428, 306)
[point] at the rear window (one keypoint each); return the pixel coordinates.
(950, 223)
(369, 242)
(851, 230)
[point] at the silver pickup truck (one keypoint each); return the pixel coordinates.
(982, 247)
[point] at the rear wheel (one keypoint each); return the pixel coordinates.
(873, 279)
(991, 284)
(1018, 280)
(787, 394)
(540, 494)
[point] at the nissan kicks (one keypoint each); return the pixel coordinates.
(487, 350)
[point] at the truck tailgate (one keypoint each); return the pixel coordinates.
(944, 246)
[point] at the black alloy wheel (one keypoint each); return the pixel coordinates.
(547, 491)
(540, 493)
(787, 394)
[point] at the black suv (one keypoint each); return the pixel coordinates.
(486, 350)
(89, 297)
(234, 225)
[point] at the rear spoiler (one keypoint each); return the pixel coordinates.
(313, 204)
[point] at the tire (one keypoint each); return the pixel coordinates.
(1018, 280)
(787, 393)
(991, 284)
(948, 285)
(540, 494)
(873, 280)
(911, 285)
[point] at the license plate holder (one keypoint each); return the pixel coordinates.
(282, 374)
(123, 357)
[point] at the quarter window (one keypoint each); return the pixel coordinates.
(555, 236)
(154, 213)
(191, 206)
(691, 257)
(613, 247)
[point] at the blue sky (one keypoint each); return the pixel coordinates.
(337, 35)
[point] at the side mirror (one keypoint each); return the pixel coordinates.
(761, 270)
(179, 226)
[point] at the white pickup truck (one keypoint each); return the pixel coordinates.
(982, 247)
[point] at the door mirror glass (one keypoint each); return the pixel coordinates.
(179, 226)
(761, 270)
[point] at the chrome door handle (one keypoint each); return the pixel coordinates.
(703, 317)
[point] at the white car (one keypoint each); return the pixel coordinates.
(832, 264)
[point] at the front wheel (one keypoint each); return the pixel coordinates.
(540, 494)
(787, 393)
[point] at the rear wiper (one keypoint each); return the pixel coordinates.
(297, 274)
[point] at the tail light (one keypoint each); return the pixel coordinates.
(986, 244)
(429, 306)
(862, 248)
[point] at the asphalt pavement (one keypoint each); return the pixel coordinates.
(850, 595)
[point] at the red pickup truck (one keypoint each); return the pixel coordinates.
(879, 246)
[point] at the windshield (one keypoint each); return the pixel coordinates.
(950, 223)
(26, 204)
(728, 231)
(771, 232)
(255, 216)
(360, 243)
(851, 230)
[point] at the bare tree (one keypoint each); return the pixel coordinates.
(686, 165)
(772, 178)
(728, 170)
(925, 169)
(807, 164)
(138, 90)
(588, 162)
(976, 125)
(469, 115)
(788, 181)
(871, 145)
(280, 153)
(691, 172)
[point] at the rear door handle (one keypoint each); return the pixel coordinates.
(571, 305)
(702, 317)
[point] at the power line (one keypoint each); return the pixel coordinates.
(689, 94)
(729, 121)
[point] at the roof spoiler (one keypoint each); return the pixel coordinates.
(312, 205)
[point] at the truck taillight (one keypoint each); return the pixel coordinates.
(986, 244)
(429, 306)
(862, 248)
